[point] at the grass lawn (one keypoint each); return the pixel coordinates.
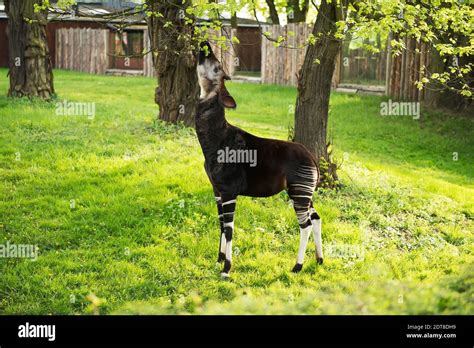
(142, 236)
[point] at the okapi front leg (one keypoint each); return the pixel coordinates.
(228, 208)
(222, 243)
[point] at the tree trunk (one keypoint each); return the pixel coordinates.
(177, 93)
(30, 71)
(314, 88)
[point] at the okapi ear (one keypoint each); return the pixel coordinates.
(205, 51)
(225, 98)
(228, 102)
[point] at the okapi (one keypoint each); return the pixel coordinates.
(281, 165)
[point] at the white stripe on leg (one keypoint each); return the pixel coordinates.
(317, 237)
(304, 236)
(223, 242)
(228, 244)
(228, 258)
(231, 224)
(228, 251)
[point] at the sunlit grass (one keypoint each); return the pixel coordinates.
(143, 233)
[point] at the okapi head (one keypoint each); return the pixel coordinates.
(211, 77)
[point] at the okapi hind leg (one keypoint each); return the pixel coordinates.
(304, 237)
(301, 205)
(301, 191)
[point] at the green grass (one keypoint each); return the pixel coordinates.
(143, 236)
(248, 73)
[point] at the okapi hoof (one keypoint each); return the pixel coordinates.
(221, 257)
(225, 272)
(319, 260)
(298, 267)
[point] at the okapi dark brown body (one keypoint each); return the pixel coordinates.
(280, 158)
(279, 165)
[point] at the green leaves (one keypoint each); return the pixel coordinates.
(41, 7)
(447, 25)
(235, 40)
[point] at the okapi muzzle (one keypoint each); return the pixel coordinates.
(278, 165)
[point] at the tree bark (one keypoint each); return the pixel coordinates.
(177, 93)
(314, 87)
(30, 73)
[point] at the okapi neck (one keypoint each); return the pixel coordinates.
(210, 117)
(211, 127)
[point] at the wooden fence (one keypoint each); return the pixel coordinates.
(404, 70)
(281, 65)
(82, 49)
